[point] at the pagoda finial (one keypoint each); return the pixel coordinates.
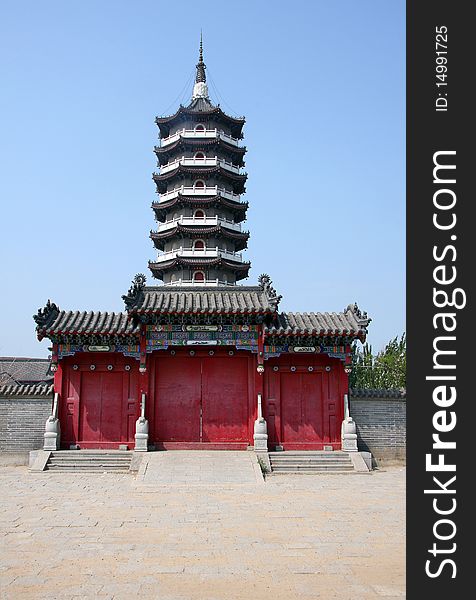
(201, 77)
(200, 89)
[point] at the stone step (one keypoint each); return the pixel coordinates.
(308, 453)
(312, 466)
(91, 467)
(89, 461)
(311, 462)
(90, 458)
(314, 471)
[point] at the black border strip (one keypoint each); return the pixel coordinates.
(430, 131)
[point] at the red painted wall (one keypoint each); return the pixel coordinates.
(201, 401)
(98, 408)
(304, 408)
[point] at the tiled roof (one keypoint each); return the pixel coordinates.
(163, 152)
(350, 322)
(239, 268)
(199, 170)
(26, 390)
(17, 370)
(200, 105)
(161, 208)
(224, 300)
(74, 322)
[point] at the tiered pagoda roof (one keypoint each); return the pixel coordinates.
(237, 180)
(238, 208)
(202, 110)
(239, 237)
(164, 153)
(240, 269)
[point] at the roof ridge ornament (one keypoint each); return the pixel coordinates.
(266, 285)
(46, 315)
(361, 316)
(200, 89)
(135, 295)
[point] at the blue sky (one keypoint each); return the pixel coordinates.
(322, 86)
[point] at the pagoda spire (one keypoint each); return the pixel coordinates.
(200, 89)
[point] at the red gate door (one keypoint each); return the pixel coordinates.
(100, 407)
(301, 408)
(225, 399)
(177, 399)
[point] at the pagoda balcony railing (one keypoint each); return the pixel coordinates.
(197, 134)
(206, 283)
(199, 253)
(199, 162)
(212, 190)
(200, 221)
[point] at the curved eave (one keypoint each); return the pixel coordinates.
(322, 333)
(238, 208)
(164, 153)
(204, 172)
(240, 237)
(184, 113)
(239, 268)
(236, 181)
(88, 323)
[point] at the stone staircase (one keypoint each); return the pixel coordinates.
(90, 461)
(311, 462)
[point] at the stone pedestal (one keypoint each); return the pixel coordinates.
(52, 435)
(142, 435)
(349, 435)
(260, 436)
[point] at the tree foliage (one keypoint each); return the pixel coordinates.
(385, 370)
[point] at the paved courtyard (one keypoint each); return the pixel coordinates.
(205, 535)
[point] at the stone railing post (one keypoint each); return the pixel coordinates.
(260, 436)
(52, 435)
(348, 430)
(142, 429)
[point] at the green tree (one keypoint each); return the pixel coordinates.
(385, 370)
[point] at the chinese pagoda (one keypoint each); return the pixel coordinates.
(200, 361)
(200, 182)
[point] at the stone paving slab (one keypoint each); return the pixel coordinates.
(185, 467)
(113, 537)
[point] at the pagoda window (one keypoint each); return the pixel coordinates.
(199, 184)
(199, 155)
(199, 245)
(199, 214)
(199, 276)
(200, 127)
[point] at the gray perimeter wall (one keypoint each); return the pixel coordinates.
(22, 422)
(381, 424)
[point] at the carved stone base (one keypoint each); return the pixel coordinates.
(349, 435)
(260, 436)
(142, 435)
(52, 435)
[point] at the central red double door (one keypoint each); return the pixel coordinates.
(201, 400)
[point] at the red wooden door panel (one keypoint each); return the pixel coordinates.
(301, 405)
(177, 399)
(111, 406)
(90, 407)
(312, 406)
(101, 400)
(291, 407)
(225, 399)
